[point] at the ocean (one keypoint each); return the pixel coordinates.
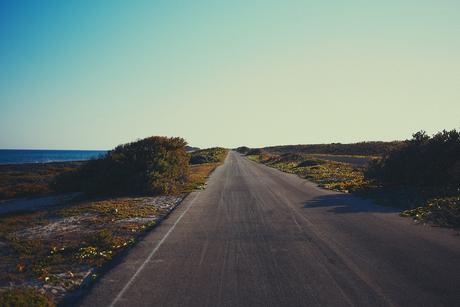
(20, 156)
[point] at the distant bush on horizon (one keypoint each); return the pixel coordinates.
(154, 165)
(361, 148)
(243, 149)
(422, 161)
(209, 155)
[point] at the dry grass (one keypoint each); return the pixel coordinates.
(198, 175)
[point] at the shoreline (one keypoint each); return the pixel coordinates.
(41, 156)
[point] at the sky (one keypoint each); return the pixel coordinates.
(94, 74)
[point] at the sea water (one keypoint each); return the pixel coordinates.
(20, 156)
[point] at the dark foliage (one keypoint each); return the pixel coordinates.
(310, 162)
(210, 155)
(154, 165)
(290, 157)
(362, 148)
(422, 161)
(243, 150)
(254, 151)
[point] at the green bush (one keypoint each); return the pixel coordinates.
(210, 155)
(243, 150)
(154, 165)
(422, 161)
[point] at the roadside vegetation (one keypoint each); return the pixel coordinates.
(26, 180)
(49, 254)
(361, 148)
(243, 149)
(421, 175)
(202, 163)
(424, 161)
(155, 165)
(328, 174)
(210, 155)
(430, 166)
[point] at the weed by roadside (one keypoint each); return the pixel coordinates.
(439, 211)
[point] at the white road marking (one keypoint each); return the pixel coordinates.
(152, 253)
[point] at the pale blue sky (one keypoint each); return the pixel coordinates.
(93, 74)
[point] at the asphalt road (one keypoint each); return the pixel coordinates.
(260, 237)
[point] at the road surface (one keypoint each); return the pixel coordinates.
(260, 237)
